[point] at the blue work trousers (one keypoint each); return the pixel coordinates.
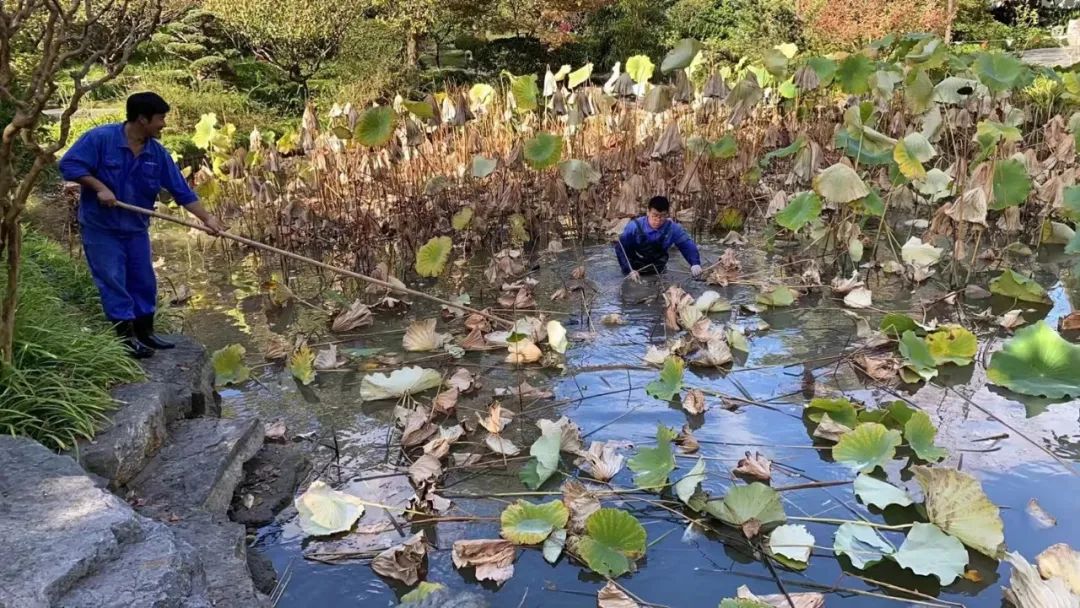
(123, 271)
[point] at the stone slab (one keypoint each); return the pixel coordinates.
(222, 549)
(271, 479)
(200, 467)
(59, 530)
(134, 434)
(188, 376)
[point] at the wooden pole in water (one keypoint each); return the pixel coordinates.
(314, 262)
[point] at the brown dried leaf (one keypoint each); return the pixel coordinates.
(276, 432)
(477, 321)
(580, 502)
(493, 559)
(418, 428)
(829, 429)
(496, 419)
(610, 596)
(1063, 562)
(445, 402)
(277, 349)
(426, 469)
(1070, 322)
(421, 336)
(754, 467)
(879, 367)
(405, 562)
(475, 341)
(694, 402)
(687, 441)
(800, 600)
(358, 315)
(463, 380)
(602, 461)
(569, 433)
(522, 352)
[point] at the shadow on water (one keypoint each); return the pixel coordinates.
(796, 358)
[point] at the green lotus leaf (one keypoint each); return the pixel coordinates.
(918, 91)
(725, 147)
(525, 523)
(1011, 184)
(432, 256)
(480, 95)
(302, 365)
(543, 151)
(1037, 361)
(788, 89)
(804, 208)
(420, 109)
(1056, 233)
(788, 150)
(677, 58)
(910, 153)
(952, 344)
(840, 410)
(525, 92)
(854, 72)
(861, 544)
(640, 68)
(780, 296)
(881, 494)
(421, 592)
(613, 539)
(670, 381)
(840, 184)
(553, 546)
(483, 167)
(462, 218)
(863, 150)
(792, 544)
(775, 62)
(544, 461)
(956, 503)
(229, 365)
(824, 67)
(651, 466)
(1074, 245)
(929, 551)
(954, 90)
(756, 504)
(917, 357)
(928, 53)
(989, 133)
(919, 433)
(1013, 285)
(884, 81)
(205, 131)
(689, 484)
(867, 447)
(579, 75)
(579, 174)
(893, 415)
(375, 127)
(895, 324)
(1071, 201)
(1001, 72)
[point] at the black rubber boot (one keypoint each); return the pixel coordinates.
(144, 331)
(138, 350)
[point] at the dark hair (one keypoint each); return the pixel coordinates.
(660, 203)
(145, 104)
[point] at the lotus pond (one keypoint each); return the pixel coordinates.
(806, 400)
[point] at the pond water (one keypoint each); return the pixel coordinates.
(602, 391)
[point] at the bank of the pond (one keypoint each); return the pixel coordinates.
(1023, 450)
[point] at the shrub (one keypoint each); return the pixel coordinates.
(65, 356)
(846, 24)
(735, 29)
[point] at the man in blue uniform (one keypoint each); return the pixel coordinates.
(644, 244)
(126, 162)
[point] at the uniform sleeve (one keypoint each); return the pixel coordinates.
(625, 242)
(81, 159)
(686, 245)
(173, 181)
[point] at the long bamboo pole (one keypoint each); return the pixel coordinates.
(314, 262)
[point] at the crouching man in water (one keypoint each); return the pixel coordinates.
(644, 244)
(125, 162)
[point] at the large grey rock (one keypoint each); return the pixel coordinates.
(134, 434)
(270, 479)
(157, 571)
(199, 469)
(60, 535)
(263, 573)
(222, 549)
(188, 377)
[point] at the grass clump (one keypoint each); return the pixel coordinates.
(65, 356)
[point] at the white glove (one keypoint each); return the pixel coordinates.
(695, 270)
(634, 276)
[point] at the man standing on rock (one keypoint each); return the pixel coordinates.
(126, 162)
(643, 246)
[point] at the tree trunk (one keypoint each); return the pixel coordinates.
(950, 14)
(11, 247)
(410, 49)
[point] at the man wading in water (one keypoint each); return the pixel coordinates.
(126, 162)
(644, 244)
